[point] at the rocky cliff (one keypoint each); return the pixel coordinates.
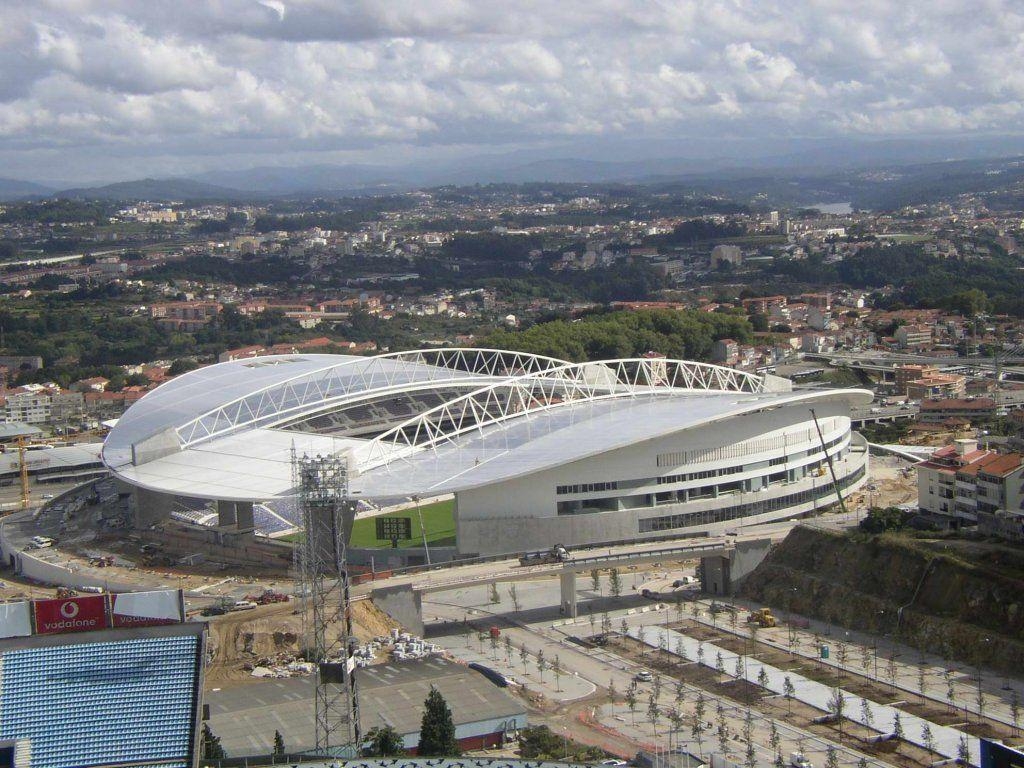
(963, 600)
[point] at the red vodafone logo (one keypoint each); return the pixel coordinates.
(77, 614)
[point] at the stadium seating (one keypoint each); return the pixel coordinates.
(128, 701)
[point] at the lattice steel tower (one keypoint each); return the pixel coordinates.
(321, 483)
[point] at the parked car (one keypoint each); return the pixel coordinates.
(643, 676)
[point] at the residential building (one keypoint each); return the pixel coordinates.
(961, 481)
(913, 336)
(973, 410)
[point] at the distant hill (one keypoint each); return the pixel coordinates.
(14, 189)
(156, 189)
(274, 180)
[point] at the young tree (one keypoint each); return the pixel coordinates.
(723, 736)
(513, 595)
(437, 730)
(508, 649)
(1015, 710)
(922, 677)
(963, 752)
(719, 664)
(653, 713)
(593, 621)
(467, 631)
(739, 668)
(926, 737)
(680, 691)
(542, 664)
(495, 597)
(614, 582)
(774, 740)
(595, 580)
(641, 635)
(980, 699)
(556, 667)
(865, 658)
(836, 707)
(697, 726)
(523, 656)
(700, 652)
(606, 623)
(210, 745)
(788, 691)
(657, 686)
(950, 689)
(732, 619)
(866, 716)
(631, 702)
(663, 642)
(897, 727)
(679, 606)
(494, 640)
(278, 745)
(754, 629)
(624, 628)
(831, 757)
(890, 669)
(842, 653)
(613, 694)
(762, 678)
(680, 651)
(385, 742)
(695, 609)
(675, 718)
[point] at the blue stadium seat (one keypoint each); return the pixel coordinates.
(106, 702)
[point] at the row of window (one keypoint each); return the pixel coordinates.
(704, 474)
(723, 514)
(587, 487)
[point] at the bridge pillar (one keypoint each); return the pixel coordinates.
(714, 575)
(568, 604)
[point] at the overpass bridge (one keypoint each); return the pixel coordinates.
(725, 560)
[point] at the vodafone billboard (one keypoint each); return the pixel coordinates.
(72, 614)
(146, 609)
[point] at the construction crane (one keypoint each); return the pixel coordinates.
(26, 497)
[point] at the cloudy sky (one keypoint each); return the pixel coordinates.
(107, 89)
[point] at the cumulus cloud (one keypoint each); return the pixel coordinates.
(194, 79)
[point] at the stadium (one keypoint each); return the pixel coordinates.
(535, 450)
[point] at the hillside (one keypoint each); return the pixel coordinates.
(155, 189)
(959, 599)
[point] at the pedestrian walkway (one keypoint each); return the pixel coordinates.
(882, 718)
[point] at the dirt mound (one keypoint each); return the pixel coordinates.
(938, 596)
(273, 634)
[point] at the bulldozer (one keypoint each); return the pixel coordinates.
(762, 617)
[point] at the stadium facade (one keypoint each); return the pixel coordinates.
(536, 450)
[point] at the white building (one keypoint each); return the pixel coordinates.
(535, 450)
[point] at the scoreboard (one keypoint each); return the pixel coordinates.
(393, 529)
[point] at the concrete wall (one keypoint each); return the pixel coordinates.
(151, 507)
(521, 513)
(402, 604)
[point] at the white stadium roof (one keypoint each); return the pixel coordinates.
(227, 431)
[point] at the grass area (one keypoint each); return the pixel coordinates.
(438, 519)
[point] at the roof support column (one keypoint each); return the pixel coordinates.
(568, 582)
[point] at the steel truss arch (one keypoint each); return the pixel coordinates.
(356, 379)
(504, 400)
